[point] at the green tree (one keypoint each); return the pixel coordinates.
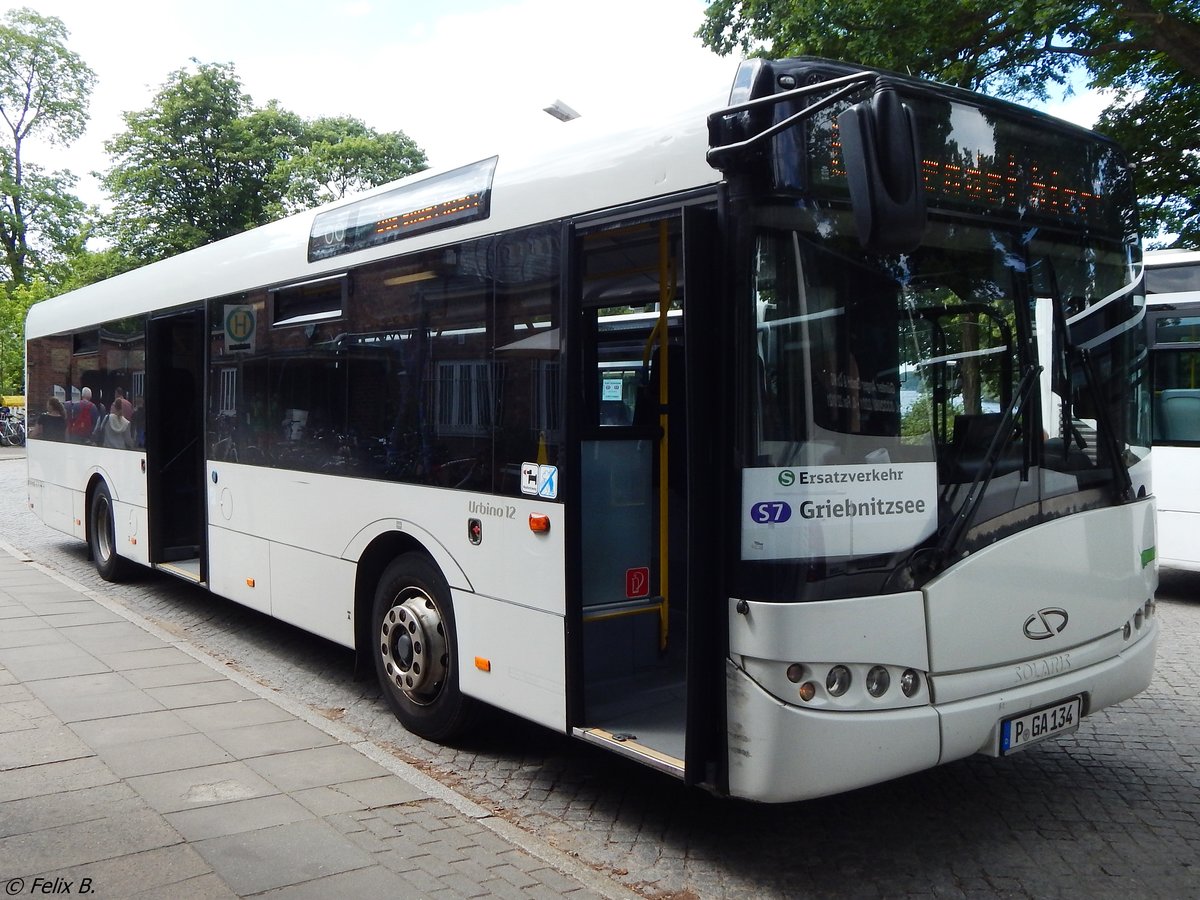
(13, 310)
(342, 156)
(193, 167)
(1147, 52)
(80, 266)
(44, 93)
(203, 163)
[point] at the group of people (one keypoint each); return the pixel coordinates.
(85, 422)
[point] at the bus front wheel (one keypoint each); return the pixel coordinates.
(416, 651)
(101, 535)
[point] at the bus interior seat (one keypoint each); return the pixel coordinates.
(1179, 414)
(972, 436)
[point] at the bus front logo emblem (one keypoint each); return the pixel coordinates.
(1045, 623)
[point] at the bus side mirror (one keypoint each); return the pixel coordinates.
(883, 170)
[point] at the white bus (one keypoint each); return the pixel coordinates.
(613, 438)
(1173, 317)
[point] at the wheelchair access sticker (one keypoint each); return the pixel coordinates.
(539, 481)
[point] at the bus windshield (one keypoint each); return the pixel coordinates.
(885, 389)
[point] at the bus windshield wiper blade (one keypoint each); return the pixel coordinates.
(926, 562)
(952, 538)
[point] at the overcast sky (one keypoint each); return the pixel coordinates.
(464, 79)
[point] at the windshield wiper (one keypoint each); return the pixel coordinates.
(952, 538)
(927, 562)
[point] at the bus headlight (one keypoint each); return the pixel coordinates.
(828, 686)
(878, 681)
(837, 682)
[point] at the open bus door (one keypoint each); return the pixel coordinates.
(646, 677)
(174, 443)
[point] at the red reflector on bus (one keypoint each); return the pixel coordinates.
(539, 522)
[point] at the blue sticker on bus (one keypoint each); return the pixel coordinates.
(770, 511)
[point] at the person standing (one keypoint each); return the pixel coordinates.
(83, 418)
(52, 424)
(115, 430)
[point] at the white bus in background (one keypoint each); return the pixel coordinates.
(1173, 317)
(625, 439)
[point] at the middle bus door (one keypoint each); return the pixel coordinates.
(633, 583)
(174, 443)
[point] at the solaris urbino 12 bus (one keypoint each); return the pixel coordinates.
(792, 444)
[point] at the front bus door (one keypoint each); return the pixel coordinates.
(637, 588)
(174, 443)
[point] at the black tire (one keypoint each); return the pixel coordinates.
(101, 535)
(416, 649)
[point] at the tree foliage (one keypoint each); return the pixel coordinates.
(192, 168)
(340, 156)
(13, 309)
(203, 163)
(1145, 52)
(44, 93)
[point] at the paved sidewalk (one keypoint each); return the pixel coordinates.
(131, 764)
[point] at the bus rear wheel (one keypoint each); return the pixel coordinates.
(416, 650)
(102, 541)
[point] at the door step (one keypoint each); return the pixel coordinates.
(187, 569)
(628, 746)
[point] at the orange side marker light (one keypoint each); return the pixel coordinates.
(539, 523)
(483, 664)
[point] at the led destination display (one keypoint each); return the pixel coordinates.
(450, 198)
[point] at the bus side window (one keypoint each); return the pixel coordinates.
(1179, 414)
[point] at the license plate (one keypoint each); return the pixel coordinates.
(1021, 731)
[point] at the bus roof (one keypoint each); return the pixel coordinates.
(1172, 277)
(1176, 257)
(594, 165)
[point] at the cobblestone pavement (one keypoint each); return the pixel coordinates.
(1111, 811)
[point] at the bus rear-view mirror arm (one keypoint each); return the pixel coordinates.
(880, 151)
(724, 124)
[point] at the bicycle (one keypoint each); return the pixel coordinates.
(12, 430)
